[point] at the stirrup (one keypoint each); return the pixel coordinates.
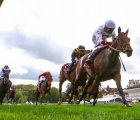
(88, 62)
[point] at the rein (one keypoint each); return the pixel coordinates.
(113, 48)
(119, 55)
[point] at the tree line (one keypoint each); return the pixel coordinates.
(26, 93)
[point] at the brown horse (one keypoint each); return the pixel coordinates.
(4, 86)
(106, 65)
(11, 94)
(64, 76)
(45, 88)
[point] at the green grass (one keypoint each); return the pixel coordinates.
(70, 112)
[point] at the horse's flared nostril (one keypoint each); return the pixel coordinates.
(129, 53)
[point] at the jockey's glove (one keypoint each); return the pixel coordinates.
(103, 42)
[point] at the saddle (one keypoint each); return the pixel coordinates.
(72, 68)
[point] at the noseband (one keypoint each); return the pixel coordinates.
(5, 79)
(118, 44)
(123, 46)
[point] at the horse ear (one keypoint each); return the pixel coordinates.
(119, 30)
(127, 32)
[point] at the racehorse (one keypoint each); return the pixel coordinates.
(63, 76)
(11, 94)
(106, 65)
(4, 86)
(45, 88)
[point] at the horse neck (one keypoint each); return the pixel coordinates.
(113, 56)
(46, 83)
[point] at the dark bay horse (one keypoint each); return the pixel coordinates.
(11, 94)
(4, 86)
(63, 76)
(106, 65)
(45, 88)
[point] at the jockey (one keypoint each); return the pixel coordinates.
(99, 38)
(4, 69)
(42, 78)
(76, 55)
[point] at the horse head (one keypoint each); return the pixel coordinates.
(49, 80)
(123, 42)
(5, 78)
(13, 88)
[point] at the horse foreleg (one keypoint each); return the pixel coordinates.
(43, 96)
(74, 87)
(95, 96)
(88, 97)
(37, 96)
(118, 83)
(85, 90)
(1, 100)
(60, 91)
(7, 97)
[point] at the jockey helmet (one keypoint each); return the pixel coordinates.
(6, 67)
(48, 73)
(109, 26)
(81, 47)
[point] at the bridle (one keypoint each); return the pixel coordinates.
(122, 47)
(119, 44)
(120, 50)
(48, 83)
(5, 79)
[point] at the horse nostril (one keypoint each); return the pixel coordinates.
(129, 52)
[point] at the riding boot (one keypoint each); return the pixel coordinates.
(70, 66)
(93, 55)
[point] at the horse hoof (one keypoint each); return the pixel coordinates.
(93, 104)
(59, 103)
(128, 105)
(72, 102)
(77, 102)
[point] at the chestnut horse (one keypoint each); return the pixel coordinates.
(11, 94)
(45, 88)
(105, 66)
(63, 76)
(4, 86)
